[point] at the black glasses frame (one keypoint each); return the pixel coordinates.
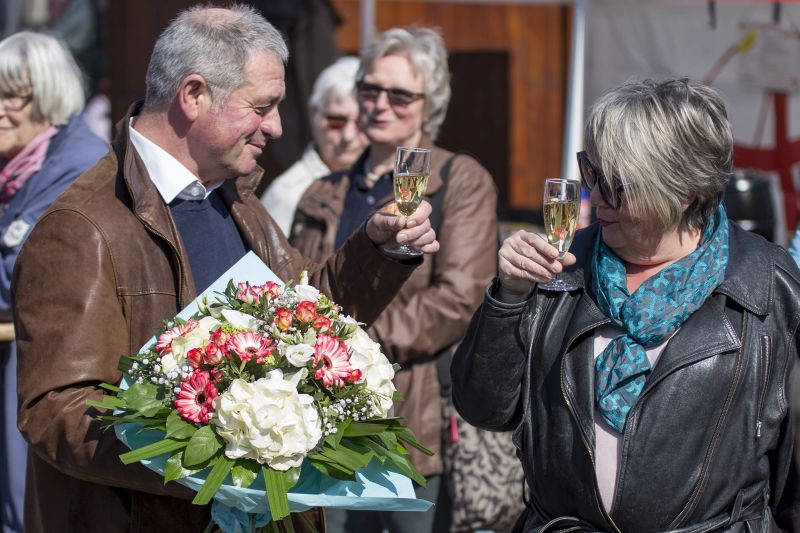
(26, 99)
(397, 97)
(591, 176)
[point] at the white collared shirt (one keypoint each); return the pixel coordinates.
(170, 176)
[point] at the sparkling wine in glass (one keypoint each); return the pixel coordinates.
(412, 166)
(562, 203)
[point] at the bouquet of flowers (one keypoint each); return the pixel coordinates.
(257, 382)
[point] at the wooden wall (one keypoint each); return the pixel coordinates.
(536, 40)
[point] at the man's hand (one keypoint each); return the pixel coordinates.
(386, 229)
(525, 259)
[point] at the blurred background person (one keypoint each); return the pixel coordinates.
(44, 145)
(652, 396)
(336, 140)
(403, 89)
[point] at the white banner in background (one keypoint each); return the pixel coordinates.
(733, 46)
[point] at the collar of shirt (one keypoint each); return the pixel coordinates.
(170, 176)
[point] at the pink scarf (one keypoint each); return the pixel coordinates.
(14, 173)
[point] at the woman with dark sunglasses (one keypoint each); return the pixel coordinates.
(651, 398)
(403, 89)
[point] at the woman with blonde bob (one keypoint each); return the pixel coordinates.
(44, 145)
(651, 398)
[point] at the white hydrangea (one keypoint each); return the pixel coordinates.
(376, 370)
(268, 420)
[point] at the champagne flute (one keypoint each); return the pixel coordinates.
(412, 166)
(561, 209)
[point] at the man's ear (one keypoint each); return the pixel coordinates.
(194, 96)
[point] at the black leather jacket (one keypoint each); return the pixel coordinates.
(708, 446)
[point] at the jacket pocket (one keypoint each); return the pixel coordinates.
(764, 375)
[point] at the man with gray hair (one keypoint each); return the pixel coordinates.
(165, 213)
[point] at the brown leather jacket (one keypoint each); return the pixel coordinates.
(100, 272)
(433, 309)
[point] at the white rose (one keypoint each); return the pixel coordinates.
(306, 292)
(299, 354)
(268, 420)
(241, 320)
(376, 370)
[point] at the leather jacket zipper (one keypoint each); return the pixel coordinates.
(580, 428)
(766, 368)
(716, 436)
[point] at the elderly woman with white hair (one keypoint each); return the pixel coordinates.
(652, 397)
(336, 140)
(44, 145)
(403, 89)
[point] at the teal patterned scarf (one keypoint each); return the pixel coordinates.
(650, 315)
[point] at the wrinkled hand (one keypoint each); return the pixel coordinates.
(525, 259)
(387, 229)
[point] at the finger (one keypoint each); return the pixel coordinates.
(569, 259)
(533, 249)
(511, 273)
(522, 257)
(430, 248)
(422, 214)
(409, 235)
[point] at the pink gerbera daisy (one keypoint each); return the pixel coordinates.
(164, 343)
(249, 345)
(193, 402)
(332, 360)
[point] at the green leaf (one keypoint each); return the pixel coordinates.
(142, 398)
(362, 429)
(348, 455)
(152, 450)
(125, 364)
(332, 470)
(334, 439)
(244, 472)
(174, 468)
(178, 428)
(402, 465)
(408, 438)
(276, 493)
(109, 387)
(108, 402)
(202, 446)
(220, 470)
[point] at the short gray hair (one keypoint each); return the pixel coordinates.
(41, 65)
(427, 54)
(336, 81)
(211, 42)
(667, 142)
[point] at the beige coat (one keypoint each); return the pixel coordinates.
(100, 272)
(434, 307)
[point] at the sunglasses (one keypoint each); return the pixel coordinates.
(337, 122)
(397, 97)
(591, 176)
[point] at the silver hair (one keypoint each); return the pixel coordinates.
(425, 50)
(336, 81)
(41, 65)
(668, 143)
(214, 44)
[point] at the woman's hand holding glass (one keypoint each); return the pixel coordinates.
(524, 260)
(387, 230)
